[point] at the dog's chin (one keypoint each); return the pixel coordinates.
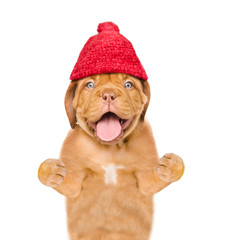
(110, 128)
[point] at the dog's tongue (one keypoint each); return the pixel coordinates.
(108, 127)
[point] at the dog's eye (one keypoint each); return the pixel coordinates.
(128, 85)
(90, 85)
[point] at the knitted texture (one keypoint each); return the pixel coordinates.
(108, 52)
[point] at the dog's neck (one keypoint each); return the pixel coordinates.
(131, 141)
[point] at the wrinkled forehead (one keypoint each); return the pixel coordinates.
(112, 77)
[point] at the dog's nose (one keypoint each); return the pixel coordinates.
(109, 96)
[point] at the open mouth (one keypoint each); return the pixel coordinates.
(110, 127)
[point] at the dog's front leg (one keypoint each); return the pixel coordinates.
(169, 169)
(53, 173)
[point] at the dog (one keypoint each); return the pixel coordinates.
(109, 167)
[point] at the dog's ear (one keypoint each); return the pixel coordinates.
(70, 110)
(146, 91)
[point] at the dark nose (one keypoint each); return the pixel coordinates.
(109, 96)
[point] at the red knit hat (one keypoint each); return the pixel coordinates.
(108, 52)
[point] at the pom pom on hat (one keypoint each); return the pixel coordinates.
(107, 26)
(108, 52)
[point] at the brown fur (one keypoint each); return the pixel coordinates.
(97, 210)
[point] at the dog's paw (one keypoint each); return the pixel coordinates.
(170, 168)
(52, 172)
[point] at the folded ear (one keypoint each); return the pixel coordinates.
(69, 96)
(146, 91)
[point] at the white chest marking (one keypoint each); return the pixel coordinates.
(110, 173)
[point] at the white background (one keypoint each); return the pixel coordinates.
(184, 47)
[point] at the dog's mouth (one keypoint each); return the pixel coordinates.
(110, 127)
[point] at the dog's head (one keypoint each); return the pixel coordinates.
(107, 106)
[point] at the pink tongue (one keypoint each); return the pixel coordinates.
(108, 128)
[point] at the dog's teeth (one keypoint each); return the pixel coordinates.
(122, 121)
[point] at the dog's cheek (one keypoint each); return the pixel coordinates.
(82, 103)
(142, 96)
(137, 101)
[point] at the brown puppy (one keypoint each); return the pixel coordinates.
(109, 167)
